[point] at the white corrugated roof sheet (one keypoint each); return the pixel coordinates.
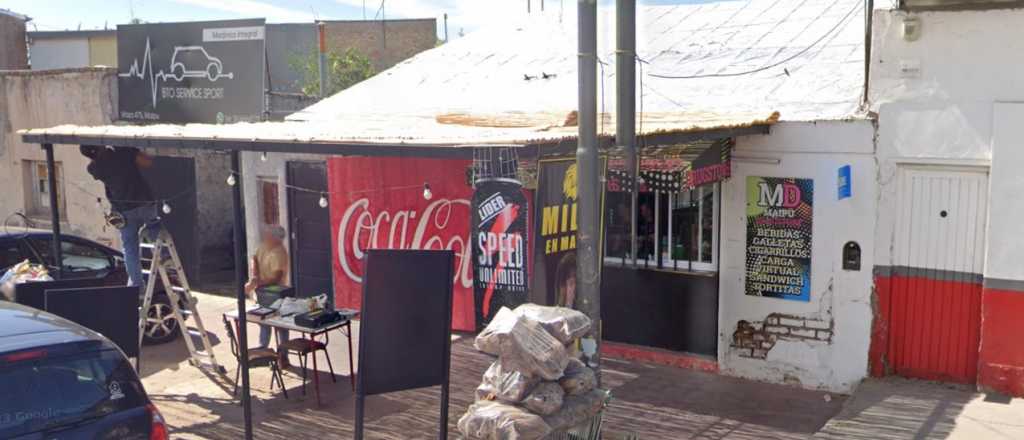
(517, 83)
(485, 73)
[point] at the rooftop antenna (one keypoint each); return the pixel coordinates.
(131, 10)
(364, 9)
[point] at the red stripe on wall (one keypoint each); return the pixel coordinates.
(658, 356)
(926, 328)
(1001, 366)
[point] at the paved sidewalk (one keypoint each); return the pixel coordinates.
(894, 408)
(653, 401)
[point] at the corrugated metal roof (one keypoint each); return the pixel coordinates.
(517, 84)
(522, 72)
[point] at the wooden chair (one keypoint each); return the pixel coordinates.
(258, 357)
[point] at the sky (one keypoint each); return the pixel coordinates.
(465, 15)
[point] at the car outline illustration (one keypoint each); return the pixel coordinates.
(212, 70)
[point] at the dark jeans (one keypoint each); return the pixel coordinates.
(135, 219)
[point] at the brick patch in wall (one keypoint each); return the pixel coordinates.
(755, 339)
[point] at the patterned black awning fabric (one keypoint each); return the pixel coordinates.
(672, 168)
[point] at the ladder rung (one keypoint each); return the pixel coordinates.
(163, 251)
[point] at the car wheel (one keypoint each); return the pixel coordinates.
(161, 327)
(212, 72)
(178, 72)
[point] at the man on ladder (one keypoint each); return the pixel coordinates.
(134, 213)
(131, 200)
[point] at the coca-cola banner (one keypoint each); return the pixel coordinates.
(380, 203)
(500, 234)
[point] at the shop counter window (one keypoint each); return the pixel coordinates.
(676, 230)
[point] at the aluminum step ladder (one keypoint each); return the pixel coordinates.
(162, 258)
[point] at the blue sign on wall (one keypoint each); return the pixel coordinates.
(845, 182)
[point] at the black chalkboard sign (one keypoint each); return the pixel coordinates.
(33, 293)
(405, 332)
(110, 311)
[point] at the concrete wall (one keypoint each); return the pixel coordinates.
(36, 99)
(386, 43)
(13, 52)
(213, 196)
(822, 343)
(274, 167)
(943, 102)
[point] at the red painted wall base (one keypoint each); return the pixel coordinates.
(1001, 358)
(658, 356)
(926, 328)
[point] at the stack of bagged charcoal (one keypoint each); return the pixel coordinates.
(538, 385)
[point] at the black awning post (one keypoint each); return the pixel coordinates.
(241, 273)
(51, 172)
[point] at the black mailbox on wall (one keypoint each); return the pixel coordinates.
(851, 256)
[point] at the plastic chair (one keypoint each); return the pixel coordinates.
(258, 357)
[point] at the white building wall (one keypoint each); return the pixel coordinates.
(840, 300)
(935, 96)
(62, 53)
(275, 166)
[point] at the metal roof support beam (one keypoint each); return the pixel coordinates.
(51, 175)
(605, 143)
(241, 273)
(588, 273)
(437, 151)
(625, 102)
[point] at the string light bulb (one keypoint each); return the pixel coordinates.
(166, 208)
(263, 156)
(231, 180)
(427, 193)
(323, 201)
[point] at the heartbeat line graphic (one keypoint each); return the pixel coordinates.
(183, 65)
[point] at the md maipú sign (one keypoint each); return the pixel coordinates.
(209, 71)
(780, 218)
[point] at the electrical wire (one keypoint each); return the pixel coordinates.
(327, 193)
(164, 199)
(769, 66)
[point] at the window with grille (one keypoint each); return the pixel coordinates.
(37, 190)
(675, 230)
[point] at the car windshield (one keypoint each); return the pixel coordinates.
(47, 393)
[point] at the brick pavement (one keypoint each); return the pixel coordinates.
(654, 401)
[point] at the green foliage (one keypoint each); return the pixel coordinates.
(343, 70)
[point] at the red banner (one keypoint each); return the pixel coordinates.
(379, 203)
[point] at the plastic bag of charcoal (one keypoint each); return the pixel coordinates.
(537, 388)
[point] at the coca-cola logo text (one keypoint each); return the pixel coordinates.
(361, 229)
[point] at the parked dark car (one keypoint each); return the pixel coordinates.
(86, 259)
(61, 380)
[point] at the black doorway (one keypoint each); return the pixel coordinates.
(173, 179)
(310, 229)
